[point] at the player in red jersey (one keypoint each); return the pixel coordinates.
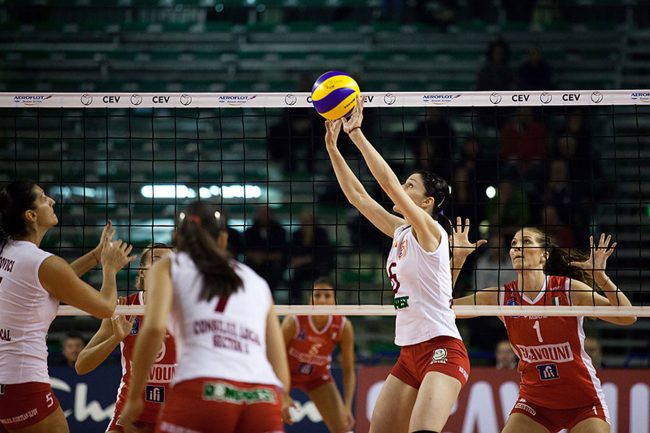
(559, 387)
(120, 331)
(310, 342)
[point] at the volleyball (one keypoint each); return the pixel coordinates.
(334, 94)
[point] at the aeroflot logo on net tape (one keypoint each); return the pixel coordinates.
(641, 97)
(30, 99)
(235, 100)
(439, 99)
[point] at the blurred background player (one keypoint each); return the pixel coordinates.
(71, 346)
(231, 357)
(123, 332)
(310, 342)
(33, 282)
(504, 355)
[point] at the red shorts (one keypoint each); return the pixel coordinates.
(147, 418)
(198, 405)
(445, 355)
(310, 383)
(25, 404)
(557, 419)
(116, 426)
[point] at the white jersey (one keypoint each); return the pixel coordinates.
(225, 337)
(26, 312)
(422, 285)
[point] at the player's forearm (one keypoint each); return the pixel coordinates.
(379, 168)
(90, 358)
(348, 181)
(146, 348)
(85, 263)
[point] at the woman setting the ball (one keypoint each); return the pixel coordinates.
(433, 365)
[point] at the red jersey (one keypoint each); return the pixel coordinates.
(310, 350)
(556, 372)
(160, 375)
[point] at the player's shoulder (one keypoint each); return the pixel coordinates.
(132, 299)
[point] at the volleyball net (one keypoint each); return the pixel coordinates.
(572, 163)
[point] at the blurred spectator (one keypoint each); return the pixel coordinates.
(496, 73)
(574, 146)
(235, 242)
(291, 141)
(535, 73)
(558, 229)
(546, 12)
(505, 356)
(71, 346)
(595, 351)
(494, 267)
(311, 255)
(434, 142)
(473, 173)
(523, 145)
(509, 209)
(265, 247)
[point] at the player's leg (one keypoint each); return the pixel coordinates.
(591, 425)
(434, 402)
(55, 422)
(393, 408)
(518, 422)
(329, 403)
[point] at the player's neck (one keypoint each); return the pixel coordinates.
(531, 282)
(34, 237)
(319, 322)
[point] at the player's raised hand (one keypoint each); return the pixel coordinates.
(597, 261)
(459, 239)
(107, 235)
(356, 117)
(332, 130)
(121, 326)
(115, 255)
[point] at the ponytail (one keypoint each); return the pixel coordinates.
(15, 198)
(198, 228)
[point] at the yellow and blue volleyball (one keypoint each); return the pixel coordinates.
(334, 94)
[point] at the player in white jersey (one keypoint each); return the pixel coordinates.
(231, 360)
(32, 282)
(433, 365)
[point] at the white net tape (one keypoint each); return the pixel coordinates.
(389, 310)
(280, 100)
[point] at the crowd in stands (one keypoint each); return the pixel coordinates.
(541, 173)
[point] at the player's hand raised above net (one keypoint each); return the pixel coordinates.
(356, 117)
(459, 239)
(332, 130)
(597, 261)
(115, 255)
